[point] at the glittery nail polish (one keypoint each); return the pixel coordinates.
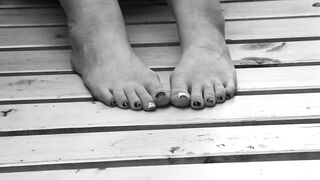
(159, 94)
(125, 104)
(137, 104)
(219, 98)
(210, 100)
(151, 105)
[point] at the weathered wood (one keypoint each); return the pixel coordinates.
(48, 118)
(165, 58)
(293, 170)
(251, 81)
(173, 146)
(157, 14)
(163, 34)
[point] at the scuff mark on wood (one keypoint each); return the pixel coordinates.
(257, 46)
(5, 113)
(261, 60)
(23, 82)
(174, 149)
(277, 48)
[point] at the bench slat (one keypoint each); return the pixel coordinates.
(46, 118)
(155, 34)
(293, 170)
(156, 14)
(173, 146)
(243, 55)
(251, 81)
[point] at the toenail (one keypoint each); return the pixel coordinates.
(113, 103)
(125, 104)
(228, 96)
(197, 103)
(160, 94)
(137, 104)
(182, 94)
(151, 105)
(219, 98)
(210, 100)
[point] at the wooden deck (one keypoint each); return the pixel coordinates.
(50, 128)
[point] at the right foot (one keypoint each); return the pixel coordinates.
(109, 68)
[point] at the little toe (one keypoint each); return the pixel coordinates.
(147, 101)
(121, 98)
(230, 89)
(180, 96)
(220, 92)
(209, 95)
(160, 95)
(133, 98)
(196, 98)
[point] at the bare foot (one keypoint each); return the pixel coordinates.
(102, 55)
(205, 75)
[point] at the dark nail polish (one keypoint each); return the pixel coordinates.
(137, 104)
(228, 96)
(196, 103)
(160, 94)
(317, 4)
(219, 98)
(125, 104)
(113, 103)
(210, 100)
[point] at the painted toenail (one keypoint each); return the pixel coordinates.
(151, 105)
(210, 100)
(182, 94)
(197, 103)
(113, 103)
(137, 104)
(219, 98)
(125, 104)
(228, 96)
(160, 94)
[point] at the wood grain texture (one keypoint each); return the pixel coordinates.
(250, 81)
(164, 34)
(165, 58)
(159, 14)
(174, 146)
(293, 170)
(47, 118)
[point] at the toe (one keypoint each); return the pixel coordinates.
(121, 98)
(160, 95)
(230, 89)
(180, 96)
(209, 95)
(220, 92)
(133, 99)
(196, 97)
(147, 101)
(104, 95)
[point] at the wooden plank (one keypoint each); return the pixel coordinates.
(165, 58)
(173, 146)
(157, 14)
(251, 81)
(27, 3)
(54, 118)
(293, 170)
(163, 34)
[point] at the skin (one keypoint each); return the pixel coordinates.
(102, 55)
(205, 72)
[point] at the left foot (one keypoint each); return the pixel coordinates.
(207, 74)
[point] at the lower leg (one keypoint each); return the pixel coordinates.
(205, 70)
(101, 53)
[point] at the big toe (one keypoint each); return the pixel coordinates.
(180, 96)
(160, 95)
